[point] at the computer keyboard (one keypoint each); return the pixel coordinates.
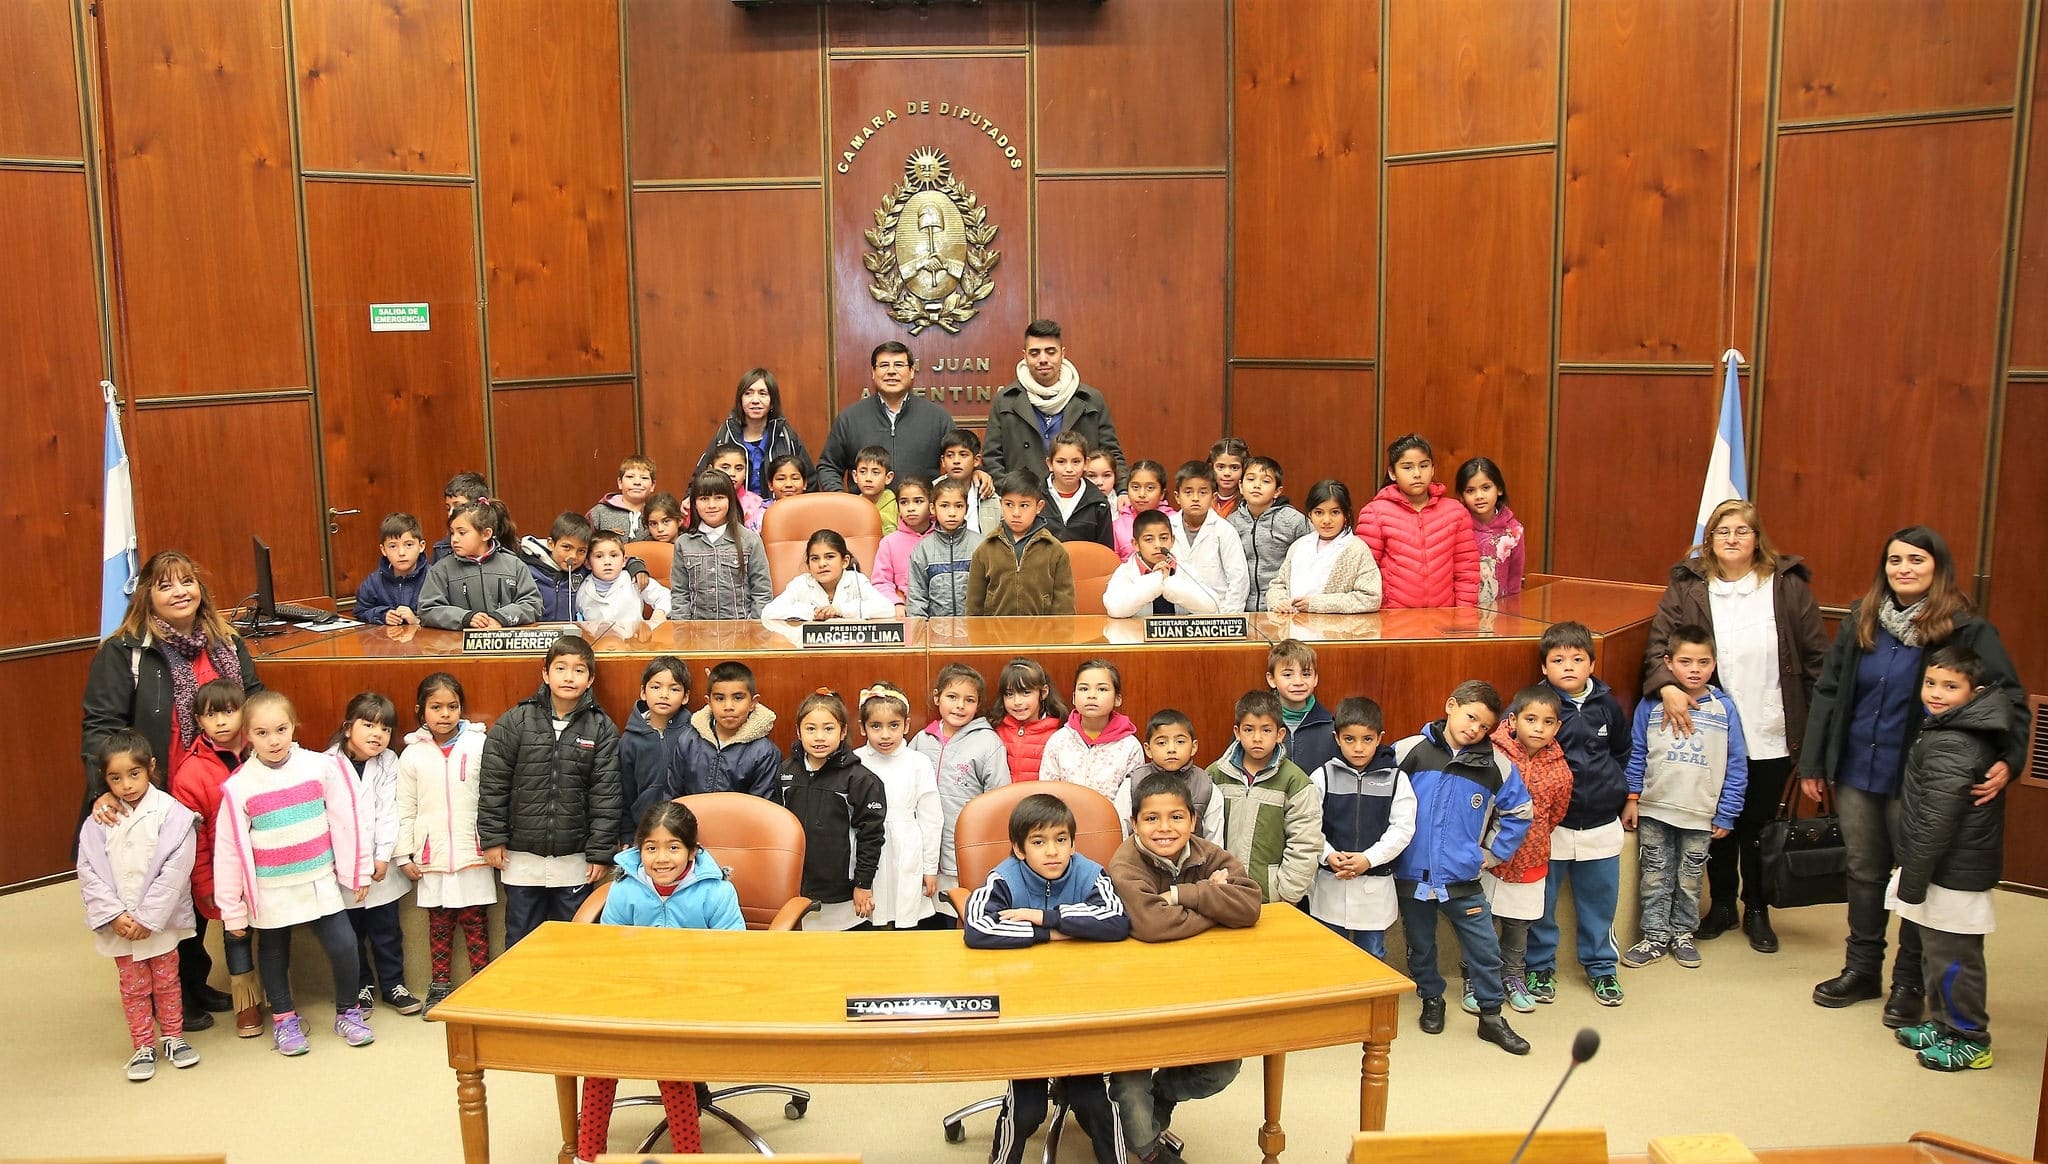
(293, 612)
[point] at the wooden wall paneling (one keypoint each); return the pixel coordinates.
(718, 91)
(205, 216)
(42, 794)
(1649, 111)
(715, 303)
(1310, 420)
(400, 410)
(2019, 541)
(1306, 163)
(39, 87)
(992, 93)
(208, 476)
(996, 22)
(552, 177)
(1468, 73)
(1878, 384)
(381, 86)
(2029, 346)
(51, 477)
(1641, 437)
(1848, 58)
(1132, 85)
(1466, 361)
(559, 446)
(1754, 24)
(1134, 268)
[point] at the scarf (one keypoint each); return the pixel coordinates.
(181, 650)
(1049, 401)
(1903, 625)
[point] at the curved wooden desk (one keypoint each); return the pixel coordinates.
(772, 1006)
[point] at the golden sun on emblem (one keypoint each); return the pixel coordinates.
(929, 250)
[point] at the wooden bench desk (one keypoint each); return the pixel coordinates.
(659, 1004)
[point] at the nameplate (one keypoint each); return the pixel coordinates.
(891, 1007)
(518, 640)
(1176, 628)
(852, 634)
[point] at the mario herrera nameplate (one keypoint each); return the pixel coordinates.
(879, 1007)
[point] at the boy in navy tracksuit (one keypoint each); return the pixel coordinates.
(1586, 846)
(1471, 812)
(1048, 892)
(391, 594)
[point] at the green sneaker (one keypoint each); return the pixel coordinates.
(1955, 1054)
(1606, 989)
(1542, 985)
(1468, 1003)
(1518, 994)
(1919, 1037)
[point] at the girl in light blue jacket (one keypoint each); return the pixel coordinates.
(667, 882)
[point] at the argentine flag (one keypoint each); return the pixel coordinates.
(117, 540)
(1728, 467)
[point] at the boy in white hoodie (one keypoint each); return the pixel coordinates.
(1150, 581)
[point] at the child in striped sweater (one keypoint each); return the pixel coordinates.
(290, 850)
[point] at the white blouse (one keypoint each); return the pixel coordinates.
(1746, 660)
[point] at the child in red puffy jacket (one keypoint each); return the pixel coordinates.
(1031, 714)
(1420, 534)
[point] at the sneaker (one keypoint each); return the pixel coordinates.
(1956, 1054)
(1919, 1037)
(1520, 1000)
(180, 1053)
(288, 1033)
(437, 992)
(402, 1000)
(1606, 989)
(353, 1024)
(1542, 985)
(1684, 952)
(366, 997)
(142, 1065)
(1468, 1003)
(1643, 953)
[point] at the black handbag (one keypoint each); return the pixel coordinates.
(1804, 859)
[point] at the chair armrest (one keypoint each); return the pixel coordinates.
(791, 913)
(958, 895)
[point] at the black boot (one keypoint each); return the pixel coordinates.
(1847, 988)
(1494, 1029)
(197, 1018)
(1432, 1022)
(1719, 920)
(1903, 1007)
(1756, 922)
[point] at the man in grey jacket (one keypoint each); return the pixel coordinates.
(1047, 398)
(909, 426)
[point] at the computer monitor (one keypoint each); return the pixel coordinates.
(265, 612)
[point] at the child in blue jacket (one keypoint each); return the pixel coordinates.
(391, 594)
(724, 746)
(669, 882)
(1471, 812)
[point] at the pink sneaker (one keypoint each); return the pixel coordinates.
(353, 1024)
(289, 1035)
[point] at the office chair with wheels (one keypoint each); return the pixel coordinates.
(760, 845)
(981, 841)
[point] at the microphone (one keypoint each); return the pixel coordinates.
(1584, 1045)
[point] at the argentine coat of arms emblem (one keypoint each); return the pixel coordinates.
(929, 249)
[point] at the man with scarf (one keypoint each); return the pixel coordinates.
(1046, 399)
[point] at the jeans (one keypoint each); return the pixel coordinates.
(1672, 861)
(1742, 849)
(1094, 1108)
(378, 946)
(274, 958)
(1596, 887)
(1956, 984)
(526, 906)
(1868, 824)
(1472, 920)
(1145, 1099)
(1373, 942)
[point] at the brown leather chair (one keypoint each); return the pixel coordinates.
(790, 522)
(981, 841)
(660, 558)
(760, 845)
(1092, 565)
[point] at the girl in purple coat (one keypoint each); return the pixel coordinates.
(1497, 532)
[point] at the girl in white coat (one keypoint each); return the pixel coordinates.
(907, 882)
(833, 588)
(364, 740)
(437, 845)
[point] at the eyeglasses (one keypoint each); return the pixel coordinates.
(1739, 533)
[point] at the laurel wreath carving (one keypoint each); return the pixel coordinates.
(976, 281)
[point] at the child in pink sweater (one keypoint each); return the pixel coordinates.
(892, 558)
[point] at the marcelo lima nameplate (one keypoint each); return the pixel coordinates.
(852, 634)
(519, 640)
(884, 1007)
(1176, 628)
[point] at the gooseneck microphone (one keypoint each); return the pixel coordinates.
(1584, 1045)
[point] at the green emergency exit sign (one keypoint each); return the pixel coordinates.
(398, 317)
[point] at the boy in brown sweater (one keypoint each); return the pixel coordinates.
(1020, 568)
(1174, 884)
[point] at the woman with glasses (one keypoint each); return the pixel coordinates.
(1768, 643)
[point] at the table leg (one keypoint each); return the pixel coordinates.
(567, 1093)
(1372, 1073)
(476, 1126)
(1273, 1141)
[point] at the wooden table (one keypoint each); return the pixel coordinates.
(659, 1004)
